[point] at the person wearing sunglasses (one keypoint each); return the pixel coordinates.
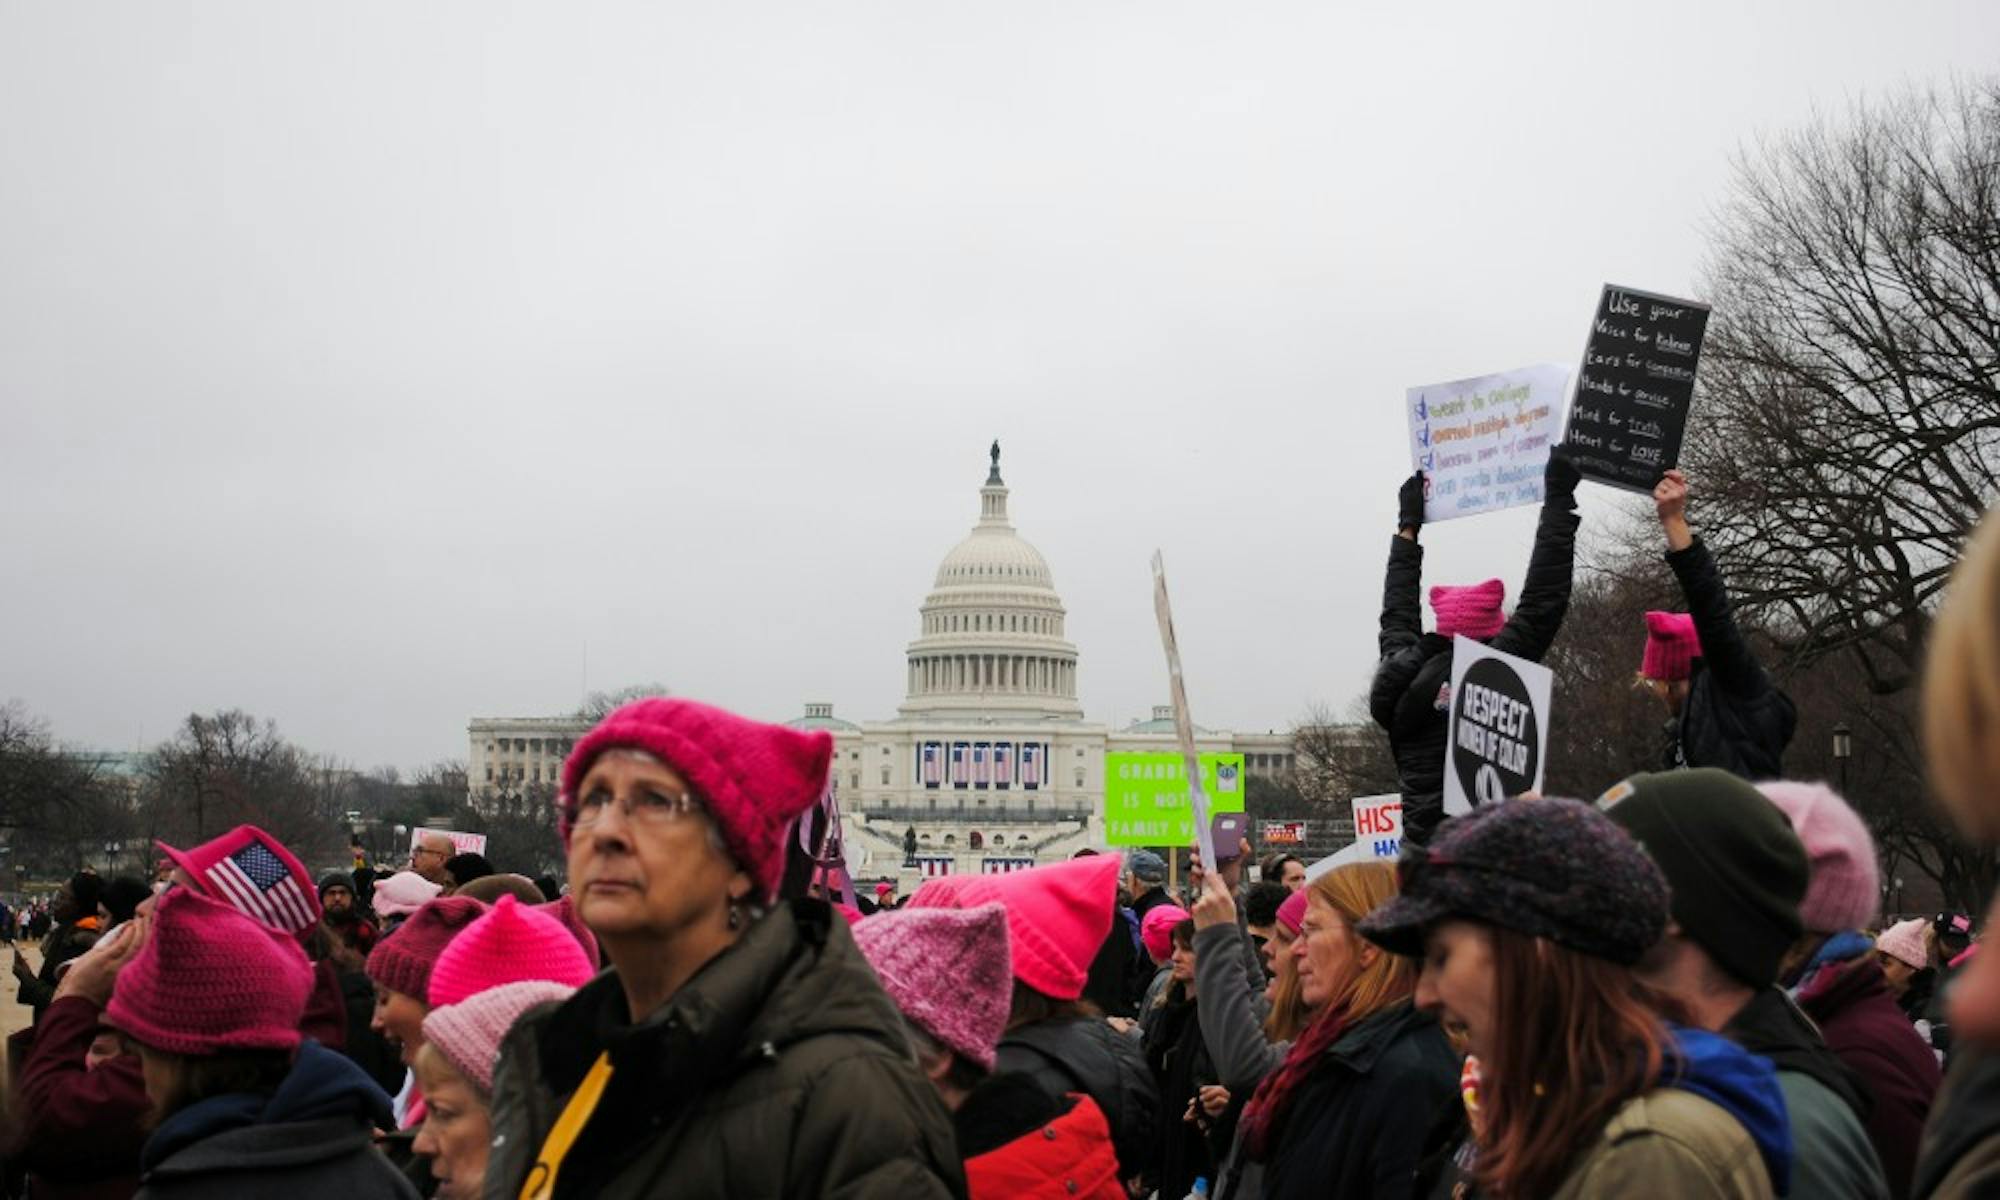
(1528, 919)
(737, 1044)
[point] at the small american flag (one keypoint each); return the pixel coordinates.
(1031, 765)
(931, 770)
(258, 882)
(958, 777)
(1003, 764)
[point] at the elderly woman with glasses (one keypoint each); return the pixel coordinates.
(738, 1045)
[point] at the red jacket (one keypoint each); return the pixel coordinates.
(1862, 1024)
(75, 1130)
(1070, 1158)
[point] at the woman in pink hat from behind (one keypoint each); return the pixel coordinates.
(1411, 695)
(737, 1044)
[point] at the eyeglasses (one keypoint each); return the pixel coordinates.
(652, 806)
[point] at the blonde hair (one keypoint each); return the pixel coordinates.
(1289, 1012)
(1962, 688)
(1352, 892)
(432, 1068)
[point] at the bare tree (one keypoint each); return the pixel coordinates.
(1849, 406)
(599, 705)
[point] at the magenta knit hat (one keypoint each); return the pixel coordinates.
(1904, 942)
(1842, 893)
(1156, 929)
(1473, 611)
(508, 943)
(211, 978)
(947, 970)
(1672, 645)
(252, 872)
(939, 891)
(1292, 913)
(1057, 918)
(402, 961)
(563, 909)
(403, 893)
(469, 1032)
(753, 778)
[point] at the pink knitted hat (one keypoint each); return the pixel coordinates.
(469, 1032)
(1156, 930)
(948, 971)
(1473, 611)
(403, 961)
(404, 893)
(563, 909)
(1292, 913)
(254, 873)
(753, 778)
(1842, 892)
(1057, 918)
(1672, 645)
(509, 943)
(1904, 942)
(211, 978)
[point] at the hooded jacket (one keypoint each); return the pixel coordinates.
(1734, 717)
(1021, 1144)
(1411, 696)
(75, 1130)
(780, 1069)
(1823, 1102)
(1086, 1055)
(1715, 1129)
(312, 1139)
(1862, 1024)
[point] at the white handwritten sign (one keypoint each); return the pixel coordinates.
(1483, 442)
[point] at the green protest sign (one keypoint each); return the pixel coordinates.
(1146, 796)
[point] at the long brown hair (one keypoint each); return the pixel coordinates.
(1289, 1013)
(1575, 1037)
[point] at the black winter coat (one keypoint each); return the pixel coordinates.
(1084, 1054)
(780, 1069)
(1411, 696)
(1358, 1125)
(1734, 717)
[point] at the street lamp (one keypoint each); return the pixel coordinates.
(1843, 749)
(111, 851)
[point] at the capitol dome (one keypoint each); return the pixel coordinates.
(991, 642)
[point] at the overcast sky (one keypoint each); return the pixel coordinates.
(362, 364)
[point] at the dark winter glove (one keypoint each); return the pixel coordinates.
(1560, 477)
(1410, 503)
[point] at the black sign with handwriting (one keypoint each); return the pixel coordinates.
(1637, 383)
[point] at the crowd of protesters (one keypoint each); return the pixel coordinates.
(1680, 987)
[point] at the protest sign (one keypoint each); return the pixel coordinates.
(1147, 801)
(1204, 836)
(1482, 442)
(461, 843)
(1378, 824)
(1283, 833)
(1497, 741)
(1632, 397)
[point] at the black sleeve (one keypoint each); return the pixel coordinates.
(1730, 663)
(1402, 631)
(1545, 595)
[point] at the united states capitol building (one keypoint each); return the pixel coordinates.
(989, 763)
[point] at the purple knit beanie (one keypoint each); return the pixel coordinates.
(469, 1033)
(949, 972)
(402, 961)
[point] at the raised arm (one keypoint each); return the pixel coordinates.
(1402, 610)
(1551, 567)
(1730, 661)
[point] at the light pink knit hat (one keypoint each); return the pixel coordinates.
(1843, 893)
(211, 978)
(948, 970)
(469, 1032)
(1904, 942)
(403, 893)
(1473, 611)
(509, 943)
